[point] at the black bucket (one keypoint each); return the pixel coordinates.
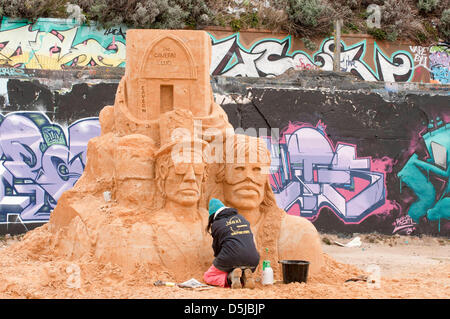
(294, 270)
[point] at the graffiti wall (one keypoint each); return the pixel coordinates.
(55, 44)
(440, 64)
(272, 57)
(432, 193)
(43, 142)
(314, 172)
(350, 158)
(39, 160)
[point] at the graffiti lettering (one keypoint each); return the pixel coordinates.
(440, 63)
(271, 57)
(266, 58)
(404, 224)
(398, 68)
(431, 202)
(420, 55)
(49, 45)
(38, 163)
(115, 31)
(309, 173)
(12, 72)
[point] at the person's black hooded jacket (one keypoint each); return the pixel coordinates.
(233, 242)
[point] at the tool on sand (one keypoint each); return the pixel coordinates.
(164, 283)
(359, 278)
(194, 284)
(191, 283)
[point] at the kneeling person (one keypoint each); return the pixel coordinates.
(236, 256)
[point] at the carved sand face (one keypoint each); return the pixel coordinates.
(183, 183)
(244, 185)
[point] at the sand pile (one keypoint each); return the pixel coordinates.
(30, 270)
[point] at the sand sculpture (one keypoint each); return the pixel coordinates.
(138, 205)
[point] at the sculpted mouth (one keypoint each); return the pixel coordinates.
(248, 189)
(189, 191)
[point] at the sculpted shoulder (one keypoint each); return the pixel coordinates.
(299, 239)
(296, 224)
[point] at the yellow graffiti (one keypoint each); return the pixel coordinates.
(53, 50)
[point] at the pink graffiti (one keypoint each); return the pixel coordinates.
(305, 66)
(325, 174)
(404, 223)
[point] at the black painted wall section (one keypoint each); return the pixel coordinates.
(83, 100)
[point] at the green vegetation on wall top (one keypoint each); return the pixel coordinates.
(421, 21)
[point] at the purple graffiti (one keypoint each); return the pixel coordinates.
(309, 173)
(440, 63)
(38, 164)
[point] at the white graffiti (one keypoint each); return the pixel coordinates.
(420, 56)
(265, 59)
(271, 57)
(398, 69)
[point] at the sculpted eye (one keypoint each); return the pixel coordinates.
(257, 169)
(239, 168)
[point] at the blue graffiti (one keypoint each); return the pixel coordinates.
(440, 63)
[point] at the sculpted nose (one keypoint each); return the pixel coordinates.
(190, 174)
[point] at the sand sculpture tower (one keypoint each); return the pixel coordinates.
(135, 205)
(165, 71)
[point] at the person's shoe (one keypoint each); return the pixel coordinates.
(249, 281)
(235, 278)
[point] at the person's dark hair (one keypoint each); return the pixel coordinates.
(210, 221)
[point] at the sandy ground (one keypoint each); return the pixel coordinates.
(395, 256)
(400, 267)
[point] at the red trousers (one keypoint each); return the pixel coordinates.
(216, 277)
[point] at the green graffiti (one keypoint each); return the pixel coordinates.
(53, 135)
(416, 174)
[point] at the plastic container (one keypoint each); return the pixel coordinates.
(267, 274)
(294, 270)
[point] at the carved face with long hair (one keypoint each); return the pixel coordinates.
(245, 173)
